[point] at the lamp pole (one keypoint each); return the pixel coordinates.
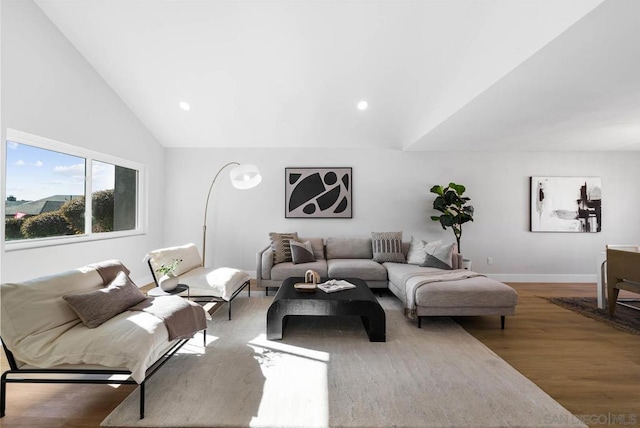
(206, 208)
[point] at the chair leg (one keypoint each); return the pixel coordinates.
(419, 322)
(3, 394)
(612, 298)
(502, 318)
(204, 338)
(229, 310)
(142, 400)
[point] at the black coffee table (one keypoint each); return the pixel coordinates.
(358, 301)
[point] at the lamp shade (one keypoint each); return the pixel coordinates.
(245, 176)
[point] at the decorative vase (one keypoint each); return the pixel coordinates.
(168, 282)
(466, 264)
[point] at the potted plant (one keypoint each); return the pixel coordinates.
(168, 280)
(454, 208)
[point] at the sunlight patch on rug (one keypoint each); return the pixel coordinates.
(302, 373)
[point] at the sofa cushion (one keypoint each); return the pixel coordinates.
(398, 272)
(387, 247)
(219, 282)
(96, 307)
(301, 252)
(187, 254)
(349, 248)
(130, 340)
(475, 292)
(364, 269)
(36, 306)
(281, 247)
(282, 271)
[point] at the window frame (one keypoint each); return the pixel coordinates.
(89, 156)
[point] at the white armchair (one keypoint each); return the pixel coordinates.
(205, 284)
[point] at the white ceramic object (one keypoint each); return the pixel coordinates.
(168, 282)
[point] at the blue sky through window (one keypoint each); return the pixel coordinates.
(34, 173)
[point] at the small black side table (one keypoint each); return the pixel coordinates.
(156, 292)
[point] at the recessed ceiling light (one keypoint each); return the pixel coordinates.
(184, 106)
(362, 105)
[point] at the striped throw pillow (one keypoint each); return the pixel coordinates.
(280, 244)
(387, 247)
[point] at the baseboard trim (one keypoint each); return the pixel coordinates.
(516, 277)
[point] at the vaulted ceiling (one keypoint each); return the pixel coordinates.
(525, 75)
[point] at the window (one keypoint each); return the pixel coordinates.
(47, 188)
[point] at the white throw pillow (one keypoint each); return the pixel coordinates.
(419, 248)
(416, 253)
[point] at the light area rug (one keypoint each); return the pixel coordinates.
(325, 372)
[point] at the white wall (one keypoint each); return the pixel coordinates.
(48, 89)
(391, 192)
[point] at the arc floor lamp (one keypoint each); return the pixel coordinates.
(243, 176)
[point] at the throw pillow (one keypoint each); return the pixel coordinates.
(96, 307)
(444, 253)
(434, 262)
(416, 253)
(281, 247)
(301, 252)
(387, 247)
(418, 250)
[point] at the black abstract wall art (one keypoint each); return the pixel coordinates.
(566, 204)
(318, 193)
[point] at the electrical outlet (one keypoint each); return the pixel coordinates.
(489, 260)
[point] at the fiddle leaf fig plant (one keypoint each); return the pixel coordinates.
(454, 208)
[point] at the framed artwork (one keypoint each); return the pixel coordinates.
(318, 193)
(566, 204)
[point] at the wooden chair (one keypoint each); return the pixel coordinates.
(623, 273)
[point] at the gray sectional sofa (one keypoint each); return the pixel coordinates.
(335, 258)
(425, 291)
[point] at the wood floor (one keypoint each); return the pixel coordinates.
(590, 368)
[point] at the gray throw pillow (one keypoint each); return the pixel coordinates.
(96, 307)
(444, 253)
(281, 247)
(301, 252)
(434, 262)
(387, 247)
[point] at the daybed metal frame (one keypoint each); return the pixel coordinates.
(15, 370)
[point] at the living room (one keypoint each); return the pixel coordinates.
(52, 88)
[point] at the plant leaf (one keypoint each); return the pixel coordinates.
(459, 188)
(437, 190)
